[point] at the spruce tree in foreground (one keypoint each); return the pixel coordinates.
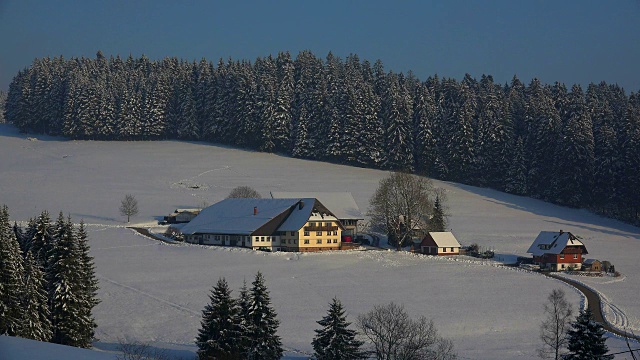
(335, 341)
(35, 310)
(262, 324)
(220, 333)
(586, 339)
(88, 285)
(11, 270)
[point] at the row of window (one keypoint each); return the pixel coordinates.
(319, 241)
(319, 233)
(575, 256)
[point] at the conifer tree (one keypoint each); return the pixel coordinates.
(35, 310)
(11, 270)
(263, 325)
(220, 332)
(438, 221)
(244, 305)
(586, 339)
(65, 299)
(88, 286)
(335, 341)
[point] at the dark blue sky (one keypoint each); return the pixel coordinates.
(571, 41)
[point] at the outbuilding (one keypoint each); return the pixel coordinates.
(440, 243)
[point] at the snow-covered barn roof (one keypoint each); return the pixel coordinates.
(341, 204)
(551, 242)
(236, 216)
(444, 239)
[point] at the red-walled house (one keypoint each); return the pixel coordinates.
(557, 251)
(440, 243)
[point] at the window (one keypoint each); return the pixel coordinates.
(262, 238)
(293, 233)
(335, 232)
(451, 249)
(575, 256)
(335, 241)
(318, 233)
(562, 257)
(328, 241)
(319, 241)
(306, 241)
(217, 238)
(306, 233)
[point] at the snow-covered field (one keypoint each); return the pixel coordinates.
(154, 292)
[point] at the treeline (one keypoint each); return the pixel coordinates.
(48, 286)
(568, 146)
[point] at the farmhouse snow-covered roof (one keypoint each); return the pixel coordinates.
(244, 216)
(444, 239)
(341, 204)
(236, 216)
(552, 242)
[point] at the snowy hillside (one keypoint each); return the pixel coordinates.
(154, 292)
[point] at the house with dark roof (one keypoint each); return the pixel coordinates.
(557, 251)
(294, 224)
(341, 204)
(440, 243)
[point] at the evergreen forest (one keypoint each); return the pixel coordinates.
(567, 145)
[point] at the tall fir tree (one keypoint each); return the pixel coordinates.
(587, 339)
(438, 220)
(335, 341)
(262, 325)
(88, 285)
(65, 298)
(11, 282)
(219, 336)
(35, 310)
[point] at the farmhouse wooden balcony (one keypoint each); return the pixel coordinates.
(320, 228)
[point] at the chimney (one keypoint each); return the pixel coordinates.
(300, 205)
(561, 231)
(255, 210)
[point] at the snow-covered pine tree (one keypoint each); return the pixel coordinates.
(42, 240)
(263, 325)
(284, 99)
(587, 339)
(34, 320)
(543, 141)
(397, 110)
(11, 284)
(335, 341)
(493, 132)
(307, 104)
(65, 299)
(575, 168)
(244, 308)
(438, 220)
(630, 145)
(88, 286)
(516, 180)
(218, 338)
(333, 112)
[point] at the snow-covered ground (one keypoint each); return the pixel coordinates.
(154, 292)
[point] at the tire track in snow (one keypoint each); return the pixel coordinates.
(166, 302)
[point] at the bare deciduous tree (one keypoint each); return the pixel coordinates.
(395, 336)
(402, 205)
(553, 330)
(129, 206)
(244, 192)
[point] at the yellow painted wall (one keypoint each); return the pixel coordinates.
(313, 237)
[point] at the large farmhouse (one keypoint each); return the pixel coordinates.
(300, 224)
(557, 251)
(342, 205)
